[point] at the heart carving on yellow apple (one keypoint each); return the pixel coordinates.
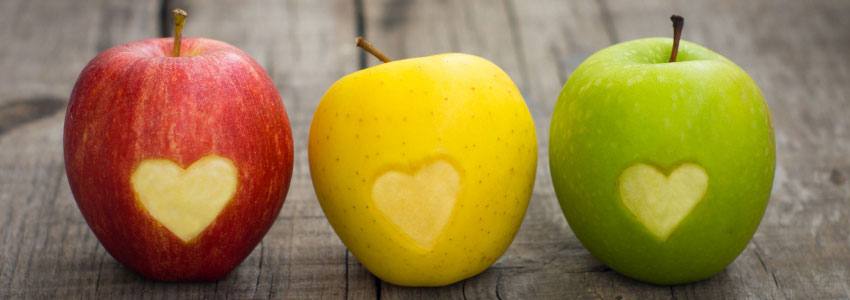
(420, 204)
(661, 202)
(185, 201)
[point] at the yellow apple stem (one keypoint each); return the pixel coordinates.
(678, 24)
(365, 45)
(179, 21)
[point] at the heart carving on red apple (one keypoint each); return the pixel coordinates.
(185, 201)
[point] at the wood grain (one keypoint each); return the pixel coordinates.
(796, 51)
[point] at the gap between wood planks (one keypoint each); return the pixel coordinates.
(17, 113)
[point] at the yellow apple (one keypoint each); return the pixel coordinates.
(424, 166)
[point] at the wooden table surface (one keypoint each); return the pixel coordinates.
(797, 51)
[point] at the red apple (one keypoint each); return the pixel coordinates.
(180, 165)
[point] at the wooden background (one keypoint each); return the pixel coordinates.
(797, 51)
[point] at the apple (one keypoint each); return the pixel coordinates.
(663, 169)
(179, 163)
(424, 166)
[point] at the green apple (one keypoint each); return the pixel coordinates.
(663, 169)
(424, 166)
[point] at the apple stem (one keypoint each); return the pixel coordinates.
(678, 24)
(179, 21)
(365, 45)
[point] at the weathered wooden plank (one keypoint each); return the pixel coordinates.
(46, 249)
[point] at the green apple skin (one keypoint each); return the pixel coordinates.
(625, 105)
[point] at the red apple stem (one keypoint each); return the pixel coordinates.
(678, 24)
(179, 21)
(365, 45)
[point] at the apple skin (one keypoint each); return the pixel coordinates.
(625, 105)
(135, 102)
(402, 115)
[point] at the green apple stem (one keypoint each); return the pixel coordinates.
(179, 21)
(678, 23)
(365, 45)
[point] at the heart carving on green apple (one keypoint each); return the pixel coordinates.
(661, 202)
(185, 201)
(419, 204)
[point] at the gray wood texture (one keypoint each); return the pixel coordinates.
(797, 51)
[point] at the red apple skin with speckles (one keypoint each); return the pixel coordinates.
(135, 102)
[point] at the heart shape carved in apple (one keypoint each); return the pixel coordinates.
(420, 204)
(185, 201)
(661, 202)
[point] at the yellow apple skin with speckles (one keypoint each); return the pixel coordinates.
(424, 166)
